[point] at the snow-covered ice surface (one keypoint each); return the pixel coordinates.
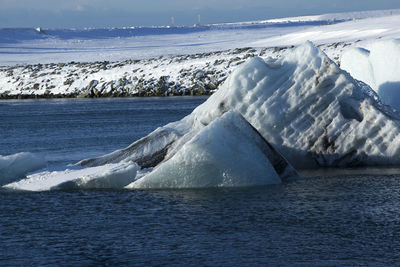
(108, 176)
(226, 153)
(377, 65)
(311, 111)
(16, 166)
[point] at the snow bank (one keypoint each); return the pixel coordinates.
(16, 166)
(378, 67)
(303, 104)
(106, 176)
(227, 153)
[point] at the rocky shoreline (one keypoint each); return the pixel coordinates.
(197, 74)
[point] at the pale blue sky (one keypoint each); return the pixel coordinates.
(118, 13)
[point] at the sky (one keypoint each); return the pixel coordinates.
(121, 13)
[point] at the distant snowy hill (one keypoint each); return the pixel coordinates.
(19, 46)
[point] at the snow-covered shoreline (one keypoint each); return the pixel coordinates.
(192, 74)
(198, 74)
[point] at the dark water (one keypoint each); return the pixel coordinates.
(328, 221)
(68, 130)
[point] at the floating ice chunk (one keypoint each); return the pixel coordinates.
(378, 67)
(227, 153)
(16, 166)
(106, 176)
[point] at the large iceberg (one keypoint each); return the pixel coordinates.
(311, 111)
(229, 152)
(16, 166)
(378, 67)
(300, 107)
(107, 176)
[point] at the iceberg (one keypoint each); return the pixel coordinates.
(228, 152)
(16, 166)
(311, 111)
(378, 67)
(108, 176)
(297, 110)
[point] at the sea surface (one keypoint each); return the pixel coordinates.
(322, 220)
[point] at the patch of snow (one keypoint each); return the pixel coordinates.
(363, 30)
(16, 166)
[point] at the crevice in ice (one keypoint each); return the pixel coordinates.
(350, 109)
(282, 167)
